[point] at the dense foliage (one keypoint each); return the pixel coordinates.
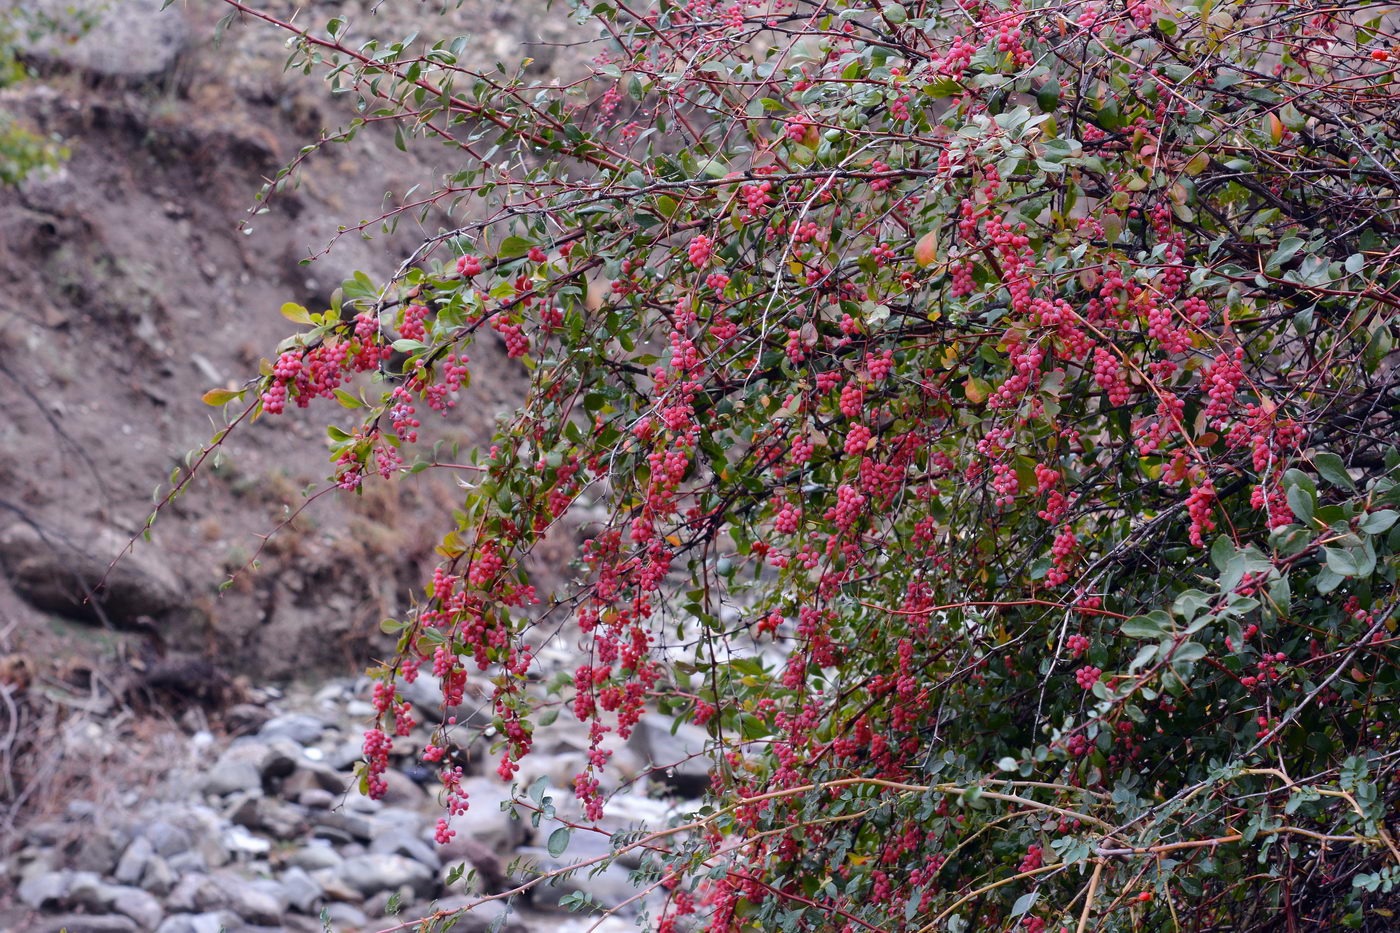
(21, 150)
(1021, 375)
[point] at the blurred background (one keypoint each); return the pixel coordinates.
(175, 757)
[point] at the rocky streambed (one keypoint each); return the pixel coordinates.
(259, 827)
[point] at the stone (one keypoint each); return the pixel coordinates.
(399, 842)
(342, 827)
(85, 923)
(274, 817)
(369, 874)
(236, 771)
(187, 896)
(210, 922)
(312, 857)
(47, 890)
(480, 918)
(246, 717)
(87, 892)
(158, 878)
(136, 904)
(311, 775)
(461, 849)
(280, 758)
(53, 573)
(334, 886)
(403, 791)
(313, 798)
(610, 887)
(679, 760)
(239, 839)
(484, 821)
(302, 728)
(132, 865)
(344, 916)
(300, 889)
(100, 850)
(249, 900)
(135, 43)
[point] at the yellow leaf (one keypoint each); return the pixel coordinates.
(217, 397)
(296, 313)
(926, 250)
(1275, 128)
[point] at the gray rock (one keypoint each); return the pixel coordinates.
(187, 862)
(87, 892)
(484, 821)
(54, 573)
(335, 887)
(240, 840)
(132, 865)
(344, 915)
(370, 874)
(47, 832)
(300, 889)
(312, 857)
(211, 922)
(168, 839)
(399, 842)
(677, 759)
(246, 717)
(229, 776)
(479, 918)
(247, 899)
(138, 905)
(46, 890)
(274, 817)
(610, 887)
(188, 894)
(85, 923)
(134, 42)
(342, 827)
(403, 791)
(280, 758)
(100, 850)
(158, 878)
(313, 798)
(461, 849)
(310, 775)
(301, 728)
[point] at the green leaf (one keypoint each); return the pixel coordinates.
(1190, 651)
(1190, 603)
(348, 400)
(559, 841)
(1375, 523)
(1287, 247)
(1024, 903)
(1152, 625)
(513, 246)
(217, 397)
(1331, 468)
(1221, 552)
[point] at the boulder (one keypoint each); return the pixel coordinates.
(369, 874)
(677, 760)
(134, 42)
(57, 572)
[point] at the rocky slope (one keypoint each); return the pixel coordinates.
(266, 832)
(127, 289)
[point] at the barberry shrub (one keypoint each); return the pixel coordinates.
(977, 415)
